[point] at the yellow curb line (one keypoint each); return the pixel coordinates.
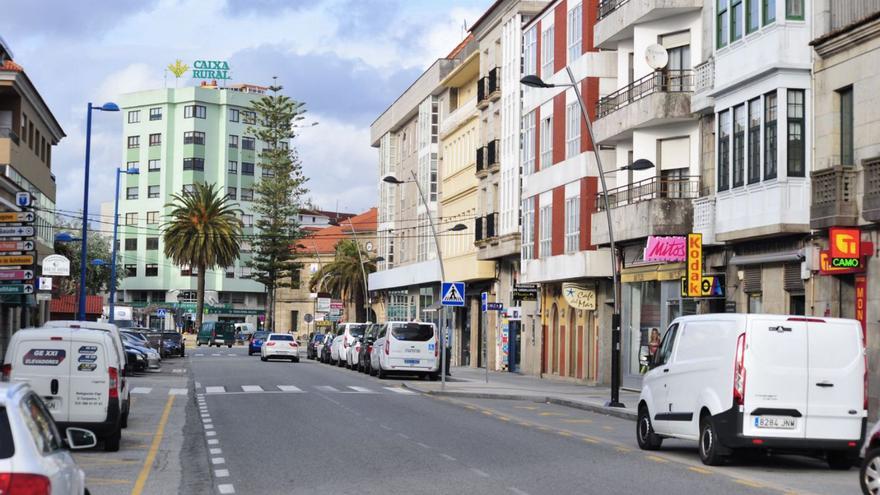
(154, 449)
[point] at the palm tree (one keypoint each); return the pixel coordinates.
(203, 232)
(342, 276)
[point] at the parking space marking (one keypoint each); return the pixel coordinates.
(177, 391)
(251, 388)
(400, 391)
(218, 460)
(699, 470)
(401, 435)
(107, 481)
(216, 354)
(420, 444)
(141, 390)
(558, 414)
(385, 427)
(179, 370)
(213, 441)
(447, 457)
(289, 388)
(517, 491)
(657, 459)
(215, 451)
(200, 354)
(154, 449)
(577, 421)
(221, 473)
(215, 390)
(362, 390)
(226, 488)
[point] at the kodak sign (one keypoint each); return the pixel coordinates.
(695, 265)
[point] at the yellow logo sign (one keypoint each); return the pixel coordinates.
(178, 68)
(694, 265)
(846, 244)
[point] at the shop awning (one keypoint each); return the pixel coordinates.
(757, 259)
(647, 273)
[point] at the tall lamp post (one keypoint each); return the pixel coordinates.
(119, 172)
(391, 179)
(534, 81)
(106, 107)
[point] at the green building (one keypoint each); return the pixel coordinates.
(176, 138)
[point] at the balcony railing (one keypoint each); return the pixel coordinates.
(492, 153)
(485, 227)
(834, 197)
(481, 91)
(481, 159)
(704, 75)
(7, 132)
(687, 187)
(606, 7)
(493, 81)
(478, 229)
(668, 81)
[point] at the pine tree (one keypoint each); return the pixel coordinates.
(279, 194)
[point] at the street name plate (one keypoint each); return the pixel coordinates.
(6, 246)
(16, 231)
(17, 289)
(16, 260)
(9, 217)
(16, 274)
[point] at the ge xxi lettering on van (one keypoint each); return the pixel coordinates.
(44, 357)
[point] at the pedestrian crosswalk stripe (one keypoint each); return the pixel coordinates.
(252, 388)
(200, 354)
(215, 390)
(230, 354)
(216, 354)
(326, 388)
(177, 391)
(400, 390)
(363, 390)
(141, 390)
(289, 388)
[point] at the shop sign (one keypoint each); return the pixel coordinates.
(210, 69)
(336, 304)
(323, 304)
(845, 247)
(525, 292)
(710, 286)
(695, 265)
(862, 303)
(827, 268)
(323, 323)
(579, 297)
(661, 248)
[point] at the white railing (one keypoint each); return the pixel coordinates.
(704, 75)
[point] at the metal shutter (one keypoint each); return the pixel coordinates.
(793, 281)
(752, 279)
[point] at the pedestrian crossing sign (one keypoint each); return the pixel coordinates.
(452, 294)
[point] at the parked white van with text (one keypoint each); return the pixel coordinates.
(769, 382)
(406, 347)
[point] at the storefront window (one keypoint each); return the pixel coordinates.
(644, 321)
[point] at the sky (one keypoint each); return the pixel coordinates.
(348, 60)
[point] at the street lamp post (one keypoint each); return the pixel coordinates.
(119, 172)
(106, 107)
(536, 82)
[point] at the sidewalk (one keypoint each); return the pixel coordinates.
(471, 383)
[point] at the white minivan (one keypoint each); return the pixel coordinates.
(346, 335)
(77, 374)
(749, 381)
(406, 347)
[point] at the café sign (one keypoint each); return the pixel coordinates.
(210, 69)
(579, 297)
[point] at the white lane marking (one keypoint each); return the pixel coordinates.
(399, 391)
(179, 370)
(218, 460)
(200, 354)
(221, 473)
(177, 391)
(326, 388)
(213, 441)
(215, 390)
(207, 420)
(385, 427)
(252, 388)
(230, 354)
(361, 390)
(216, 354)
(141, 390)
(210, 433)
(447, 457)
(215, 451)
(517, 491)
(484, 474)
(226, 489)
(401, 435)
(289, 388)
(420, 444)
(209, 427)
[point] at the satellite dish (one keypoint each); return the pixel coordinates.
(656, 56)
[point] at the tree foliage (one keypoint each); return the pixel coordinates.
(97, 276)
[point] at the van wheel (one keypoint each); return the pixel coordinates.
(198, 343)
(869, 475)
(229, 346)
(710, 451)
(839, 461)
(645, 436)
(111, 442)
(123, 421)
(381, 373)
(264, 359)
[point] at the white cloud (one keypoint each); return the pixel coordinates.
(134, 77)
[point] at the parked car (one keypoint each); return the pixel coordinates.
(216, 333)
(765, 382)
(245, 330)
(406, 347)
(154, 337)
(139, 336)
(869, 474)
(352, 353)
(312, 347)
(135, 360)
(346, 334)
(76, 372)
(256, 342)
(366, 347)
(324, 347)
(152, 357)
(34, 456)
(280, 345)
(173, 344)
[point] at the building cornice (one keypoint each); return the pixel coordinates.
(844, 38)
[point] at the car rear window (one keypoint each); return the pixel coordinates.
(7, 448)
(318, 337)
(357, 330)
(171, 335)
(260, 335)
(281, 337)
(413, 331)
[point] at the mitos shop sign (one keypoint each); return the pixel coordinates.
(671, 249)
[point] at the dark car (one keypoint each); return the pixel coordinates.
(312, 348)
(256, 343)
(173, 344)
(135, 359)
(367, 347)
(325, 350)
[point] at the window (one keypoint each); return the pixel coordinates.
(38, 420)
(131, 218)
(268, 172)
(134, 116)
(528, 143)
(194, 164)
(152, 243)
(247, 221)
(193, 137)
(547, 53)
(131, 165)
(721, 24)
(796, 144)
(755, 303)
(188, 189)
(248, 143)
(151, 270)
(134, 142)
(131, 270)
(528, 228)
(754, 156)
(736, 19)
(185, 271)
(295, 278)
(530, 51)
(233, 115)
(197, 111)
(152, 217)
(753, 15)
(156, 113)
(231, 192)
(545, 223)
(572, 130)
(247, 194)
(131, 244)
(769, 11)
(153, 165)
(572, 224)
(845, 96)
(724, 150)
(664, 353)
(155, 139)
(232, 168)
(794, 9)
(233, 141)
(546, 142)
(230, 271)
(245, 246)
(739, 144)
(247, 168)
(153, 192)
(575, 26)
(770, 136)
(131, 193)
(248, 117)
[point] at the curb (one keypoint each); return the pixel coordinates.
(608, 411)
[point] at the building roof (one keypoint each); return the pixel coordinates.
(335, 215)
(27, 90)
(70, 304)
(325, 240)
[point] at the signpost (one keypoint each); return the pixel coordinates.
(13, 217)
(19, 231)
(17, 289)
(18, 259)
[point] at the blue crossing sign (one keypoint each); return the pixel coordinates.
(160, 313)
(452, 294)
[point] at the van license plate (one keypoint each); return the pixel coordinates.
(410, 361)
(52, 404)
(776, 422)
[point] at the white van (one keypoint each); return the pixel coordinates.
(76, 372)
(406, 347)
(346, 335)
(771, 382)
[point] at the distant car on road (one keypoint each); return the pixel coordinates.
(173, 344)
(312, 346)
(406, 348)
(280, 345)
(256, 343)
(216, 333)
(869, 475)
(324, 348)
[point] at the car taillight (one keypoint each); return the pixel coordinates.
(270, 344)
(7, 372)
(292, 344)
(114, 382)
(369, 348)
(25, 484)
(739, 371)
(387, 347)
(345, 342)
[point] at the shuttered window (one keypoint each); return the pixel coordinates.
(793, 281)
(752, 279)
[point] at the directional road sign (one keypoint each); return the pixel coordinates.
(17, 289)
(16, 231)
(25, 216)
(23, 199)
(160, 313)
(494, 306)
(452, 294)
(7, 246)
(16, 260)
(484, 299)
(16, 274)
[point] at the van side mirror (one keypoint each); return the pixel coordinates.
(79, 438)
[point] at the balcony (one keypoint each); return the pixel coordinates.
(834, 197)
(659, 97)
(488, 158)
(482, 97)
(616, 18)
(493, 84)
(8, 133)
(766, 208)
(481, 162)
(871, 199)
(485, 228)
(655, 206)
(704, 83)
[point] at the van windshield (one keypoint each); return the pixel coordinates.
(357, 330)
(413, 331)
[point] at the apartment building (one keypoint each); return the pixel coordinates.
(846, 168)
